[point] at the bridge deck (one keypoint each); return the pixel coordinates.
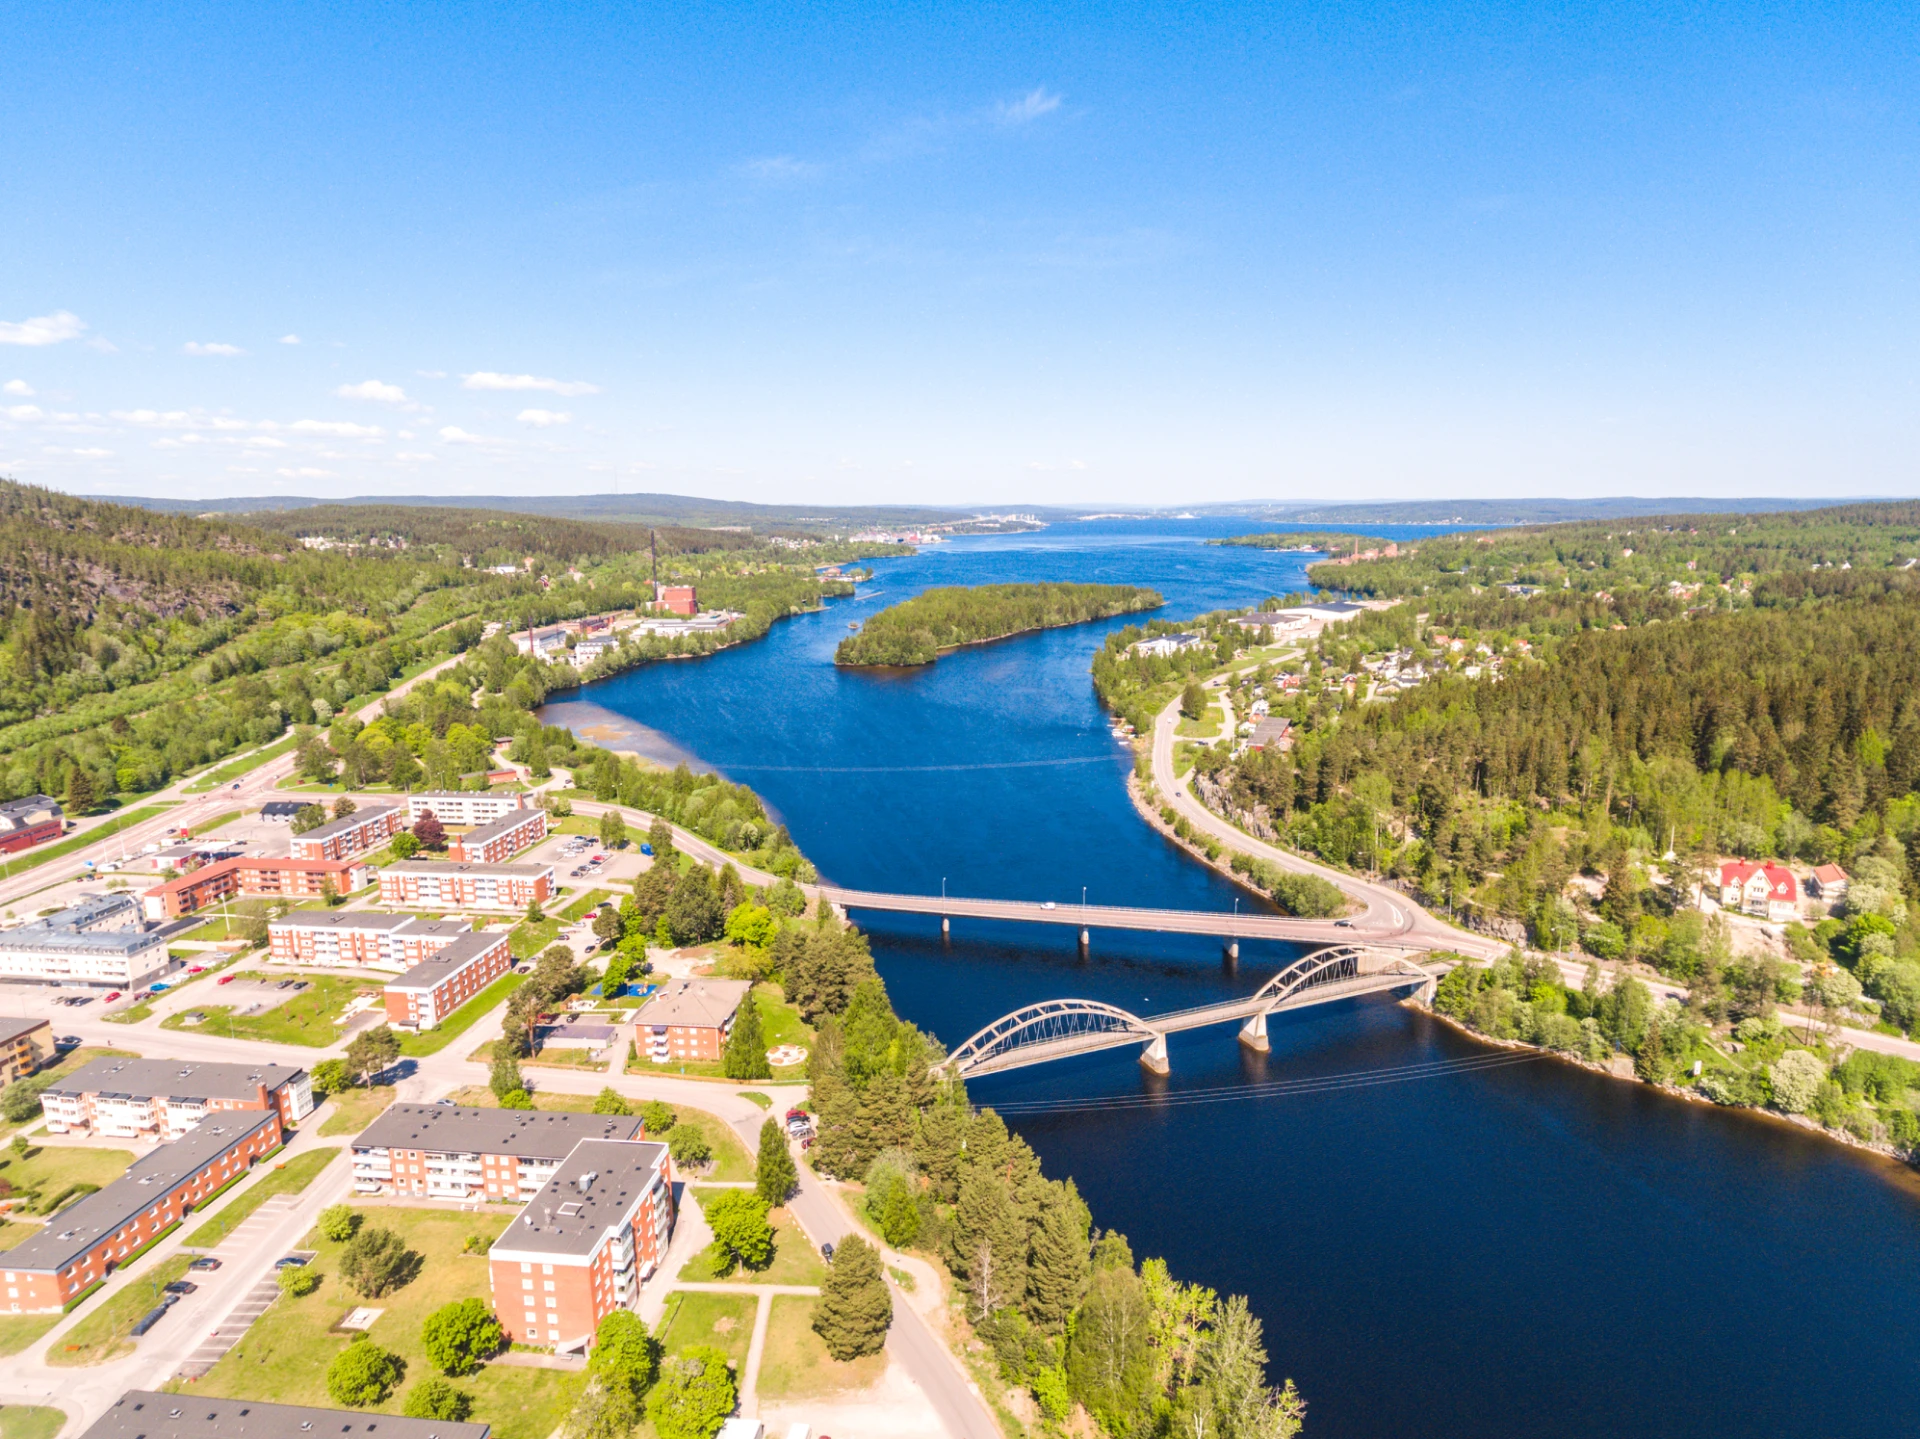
(1183, 1019)
(1092, 916)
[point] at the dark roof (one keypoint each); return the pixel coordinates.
(174, 1079)
(494, 828)
(444, 866)
(143, 1414)
(464, 1129)
(564, 1218)
(80, 1226)
(448, 960)
(30, 810)
(11, 1028)
(349, 823)
(275, 808)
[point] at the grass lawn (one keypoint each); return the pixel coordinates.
(306, 1018)
(590, 900)
(80, 841)
(482, 1097)
(355, 1109)
(30, 1421)
(17, 1331)
(102, 1335)
(722, 1320)
(228, 773)
(290, 1177)
(731, 1162)
(527, 940)
(12, 1234)
(796, 1364)
(794, 1259)
(49, 1170)
(283, 1359)
(463, 1018)
(228, 818)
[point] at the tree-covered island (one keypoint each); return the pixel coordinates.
(917, 631)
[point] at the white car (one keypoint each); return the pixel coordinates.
(1048, 904)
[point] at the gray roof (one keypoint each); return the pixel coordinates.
(143, 1414)
(449, 959)
(282, 808)
(80, 1226)
(174, 1079)
(511, 820)
(563, 1218)
(449, 866)
(463, 1129)
(342, 919)
(699, 1003)
(31, 810)
(351, 822)
(12, 1029)
(98, 924)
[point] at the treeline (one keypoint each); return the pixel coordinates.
(1332, 542)
(489, 537)
(915, 631)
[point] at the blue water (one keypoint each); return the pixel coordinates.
(1521, 1250)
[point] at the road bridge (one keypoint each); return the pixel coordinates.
(1061, 1028)
(1229, 928)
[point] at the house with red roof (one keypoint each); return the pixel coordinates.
(1827, 883)
(1768, 891)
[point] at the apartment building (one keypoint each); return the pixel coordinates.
(30, 821)
(358, 833)
(447, 1151)
(359, 938)
(254, 877)
(25, 1045)
(464, 806)
(499, 840)
(81, 1244)
(102, 941)
(689, 1020)
(449, 884)
(166, 1098)
(434, 988)
(584, 1244)
(145, 1414)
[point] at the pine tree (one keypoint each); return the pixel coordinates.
(746, 1053)
(775, 1178)
(987, 1244)
(854, 1309)
(882, 1119)
(936, 1147)
(1058, 1265)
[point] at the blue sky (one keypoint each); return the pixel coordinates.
(972, 254)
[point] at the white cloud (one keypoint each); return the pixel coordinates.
(305, 472)
(377, 390)
(415, 455)
(454, 435)
(289, 339)
(488, 380)
(195, 347)
(93, 454)
(23, 412)
(1031, 106)
(431, 374)
(781, 167)
(16, 387)
(42, 329)
(544, 419)
(346, 429)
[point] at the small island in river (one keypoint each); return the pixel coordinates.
(919, 630)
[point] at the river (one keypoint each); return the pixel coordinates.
(1436, 1248)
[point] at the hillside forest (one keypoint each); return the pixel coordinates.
(916, 631)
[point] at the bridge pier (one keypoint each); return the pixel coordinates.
(1427, 992)
(946, 925)
(1253, 1033)
(1233, 949)
(1086, 938)
(1154, 1057)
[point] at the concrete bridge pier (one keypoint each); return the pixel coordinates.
(946, 926)
(1154, 1057)
(1427, 992)
(1253, 1033)
(1233, 949)
(1086, 938)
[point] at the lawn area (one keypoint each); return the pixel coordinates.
(731, 1162)
(590, 900)
(17, 1331)
(306, 1018)
(102, 1335)
(355, 1109)
(560, 1057)
(50, 1171)
(12, 1234)
(228, 818)
(283, 1359)
(80, 841)
(796, 1364)
(30, 1421)
(481, 1097)
(722, 1320)
(289, 1177)
(246, 764)
(795, 1260)
(527, 940)
(780, 1022)
(463, 1018)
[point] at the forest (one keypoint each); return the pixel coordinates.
(915, 631)
(1330, 542)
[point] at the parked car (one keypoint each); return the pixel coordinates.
(202, 1264)
(181, 1286)
(196, 969)
(160, 989)
(112, 996)
(224, 979)
(67, 1041)
(291, 1261)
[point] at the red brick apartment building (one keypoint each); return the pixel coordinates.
(358, 833)
(30, 821)
(444, 884)
(81, 1244)
(584, 1244)
(458, 970)
(253, 878)
(165, 1098)
(689, 1020)
(351, 938)
(500, 840)
(450, 1151)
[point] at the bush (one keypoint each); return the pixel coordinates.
(694, 1395)
(363, 1374)
(340, 1222)
(331, 1076)
(20, 1102)
(461, 1336)
(298, 1281)
(688, 1145)
(516, 1099)
(658, 1116)
(1796, 1077)
(1308, 896)
(434, 1398)
(377, 1262)
(611, 1101)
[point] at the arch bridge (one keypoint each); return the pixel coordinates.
(1060, 1028)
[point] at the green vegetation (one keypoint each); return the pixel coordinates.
(30, 1421)
(434, 1040)
(355, 1109)
(49, 1176)
(17, 1331)
(285, 1357)
(577, 910)
(796, 1364)
(917, 631)
(1326, 542)
(289, 1177)
(794, 1259)
(307, 1018)
(103, 1334)
(724, 1321)
(245, 765)
(774, 1176)
(855, 1310)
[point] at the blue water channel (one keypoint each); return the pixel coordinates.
(1436, 1248)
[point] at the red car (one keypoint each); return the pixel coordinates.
(224, 979)
(112, 997)
(196, 969)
